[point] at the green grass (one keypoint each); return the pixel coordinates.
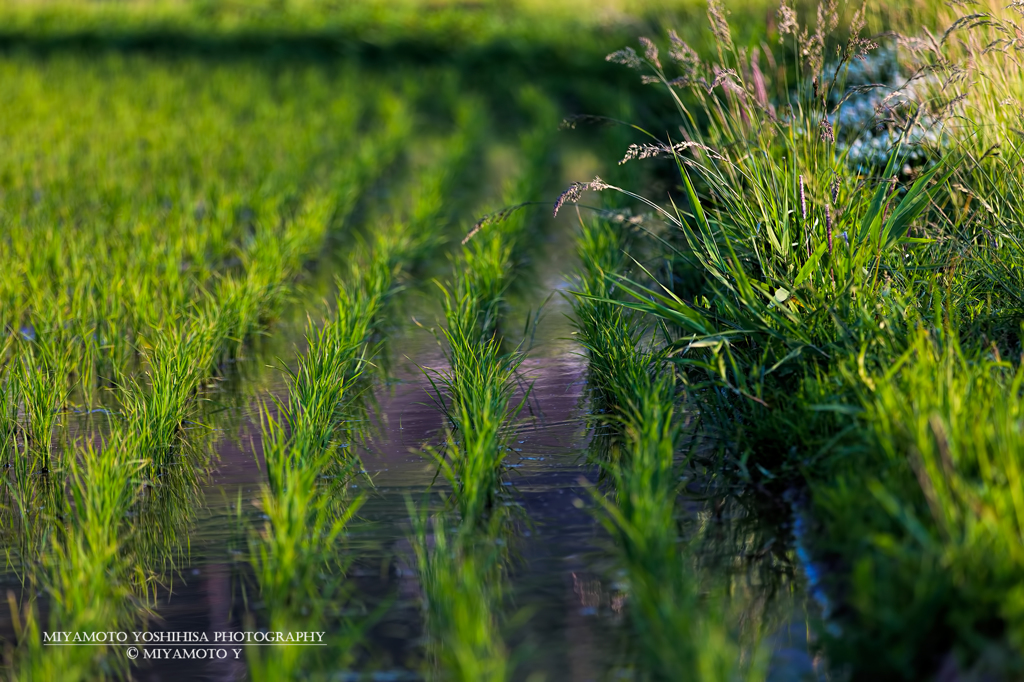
(180, 180)
(850, 336)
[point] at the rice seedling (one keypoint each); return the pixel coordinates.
(270, 211)
(609, 334)
(10, 401)
(465, 640)
(675, 634)
(304, 516)
(462, 580)
(87, 576)
(480, 388)
(474, 393)
(479, 381)
(297, 567)
(42, 374)
(176, 306)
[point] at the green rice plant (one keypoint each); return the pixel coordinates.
(10, 402)
(479, 386)
(342, 349)
(609, 333)
(677, 632)
(182, 355)
(479, 381)
(295, 556)
(678, 635)
(238, 227)
(488, 257)
(466, 642)
(43, 369)
(177, 361)
(325, 384)
(88, 578)
(305, 517)
(474, 394)
(461, 578)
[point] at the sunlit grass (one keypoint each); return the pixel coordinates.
(846, 319)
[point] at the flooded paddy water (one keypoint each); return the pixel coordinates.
(567, 600)
(220, 244)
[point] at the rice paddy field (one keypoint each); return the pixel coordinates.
(434, 340)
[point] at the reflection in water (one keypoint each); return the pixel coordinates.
(564, 580)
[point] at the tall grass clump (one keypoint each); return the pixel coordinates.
(926, 560)
(849, 333)
(803, 261)
(796, 251)
(926, 524)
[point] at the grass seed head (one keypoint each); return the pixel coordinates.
(627, 56)
(575, 191)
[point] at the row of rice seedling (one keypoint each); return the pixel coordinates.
(186, 353)
(187, 203)
(308, 446)
(99, 543)
(854, 321)
(90, 579)
(179, 357)
(461, 562)
(186, 338)
(676, 634)
(153, 445)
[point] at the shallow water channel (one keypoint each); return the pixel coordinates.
(566, 596)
